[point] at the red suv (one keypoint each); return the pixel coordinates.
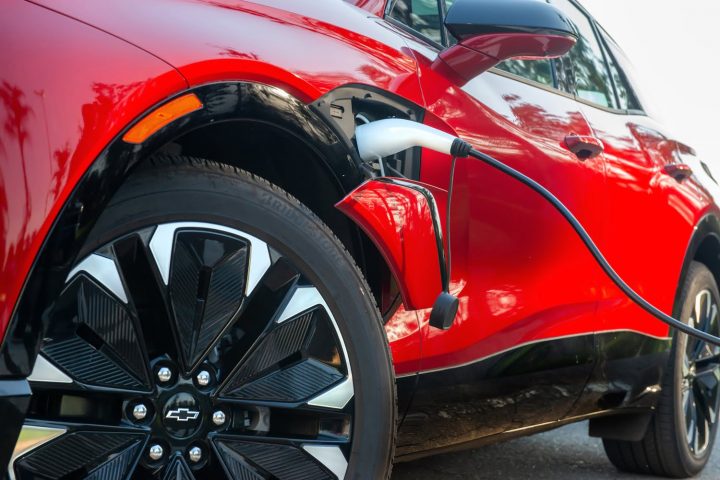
(201, 277)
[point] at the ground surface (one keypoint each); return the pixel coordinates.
(566, 453)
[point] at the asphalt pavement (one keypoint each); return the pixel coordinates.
(565, 453)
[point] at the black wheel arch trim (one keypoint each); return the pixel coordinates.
(222, 102)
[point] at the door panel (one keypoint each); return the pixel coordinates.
(521, 348)
(651, 217)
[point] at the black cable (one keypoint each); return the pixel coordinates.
(447, 218)
(459, 150)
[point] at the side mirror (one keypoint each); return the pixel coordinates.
(490, 31)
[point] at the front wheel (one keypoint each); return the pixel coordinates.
(680, 438)
(213, 328)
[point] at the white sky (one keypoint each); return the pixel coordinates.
(675, 47)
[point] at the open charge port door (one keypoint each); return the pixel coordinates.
(403, 218)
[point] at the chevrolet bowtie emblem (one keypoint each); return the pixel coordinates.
(182, 414)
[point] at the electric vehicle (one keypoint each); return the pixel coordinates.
(205, 274)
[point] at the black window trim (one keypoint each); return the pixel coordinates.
(548, 88)
(604, 39)
(407, 28)
(605, 51)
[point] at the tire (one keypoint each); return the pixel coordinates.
(673, 446)
(284, 375)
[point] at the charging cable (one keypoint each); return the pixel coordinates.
(389, 136)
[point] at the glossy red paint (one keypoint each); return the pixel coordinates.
(520, 272)
(509, 248)
(318, 45)
(60, 107)
(399, 220)
(636, 152)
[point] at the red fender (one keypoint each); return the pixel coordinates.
(402, 218)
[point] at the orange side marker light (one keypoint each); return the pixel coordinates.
(161, 116)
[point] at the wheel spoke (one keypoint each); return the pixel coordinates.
(208, 271)
(206, 287)
(73, 450)
(709, 363)
(255, 319)
(689, 408)
(260, 459)
(297, 360)
(296, 423)
(147, 295)
(94, 336)
(701, 438)
(706, 406)
(178, 469)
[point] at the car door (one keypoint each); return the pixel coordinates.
(650, 219)
(521, 348)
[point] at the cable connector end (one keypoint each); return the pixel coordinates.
(460, 148)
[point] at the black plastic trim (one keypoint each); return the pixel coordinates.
(626, 427)
(352, 99)
(522, 387)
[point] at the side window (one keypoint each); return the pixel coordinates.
(627, 99)
(536, 70)
(423, 16)
(592, 79)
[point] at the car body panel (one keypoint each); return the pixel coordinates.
(60, 108)
(505, 259)
(324, 44)
(636, 152)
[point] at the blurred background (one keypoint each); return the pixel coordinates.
(675, 47)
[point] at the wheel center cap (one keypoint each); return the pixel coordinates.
(181, 415)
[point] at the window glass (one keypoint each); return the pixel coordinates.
(536, 70)
(422, 16)
(592, 80)
(626, 96)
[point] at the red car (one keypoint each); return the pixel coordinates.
(200, 277)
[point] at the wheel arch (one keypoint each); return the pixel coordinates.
(316, 142)
(703, 247)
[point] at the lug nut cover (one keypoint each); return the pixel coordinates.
(203, 378)
(164, 374)
(139, 411)
(218, 417)
(156, 452)
(195, 454)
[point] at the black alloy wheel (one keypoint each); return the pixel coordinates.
(186, 346)
(679, 440)
(700, 376)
